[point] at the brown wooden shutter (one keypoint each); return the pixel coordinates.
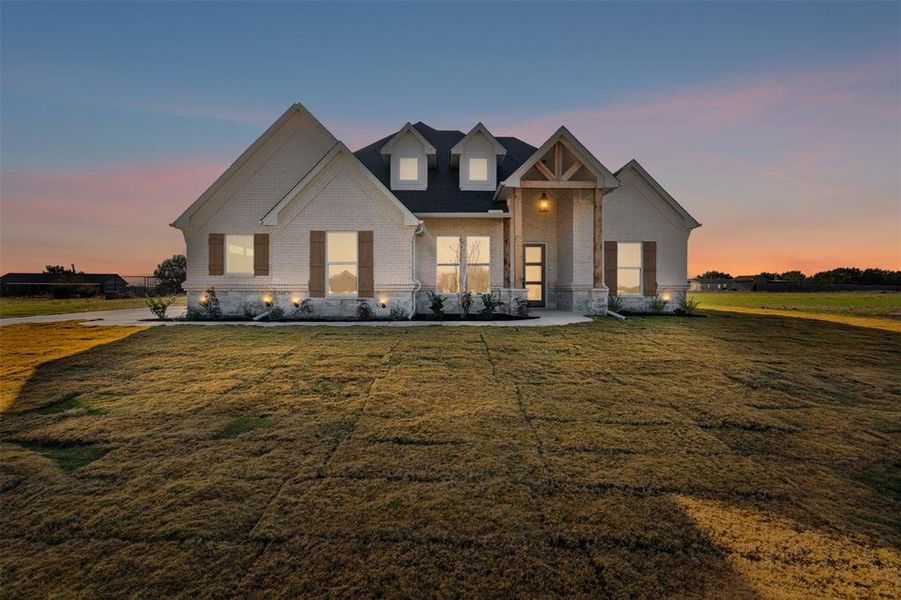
(261, 254)
(649, 268)
(317, 264)
(365, 261)
(610, 266)
(217, 254)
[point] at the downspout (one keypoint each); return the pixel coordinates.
(417, 285)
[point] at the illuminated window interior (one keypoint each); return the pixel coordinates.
(628, 268)
(408, 169)
(478, 169)
(470, 255)
(239, 254)
(478, 264)
(341, 262)
(447, 279)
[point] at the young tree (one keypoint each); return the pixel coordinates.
(171, 273)
(714, 275)
(59, 270)
(792, 276)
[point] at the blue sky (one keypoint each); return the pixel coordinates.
(88, 89)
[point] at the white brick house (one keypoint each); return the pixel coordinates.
(298, 215)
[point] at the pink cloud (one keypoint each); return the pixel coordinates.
(784, 170)
(113, 218)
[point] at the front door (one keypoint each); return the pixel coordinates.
(535, 274)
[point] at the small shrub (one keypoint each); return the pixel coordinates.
(615, 304)
(251, 309)
(398, 313)
(209, 306)
(466, 303)
(687, 306)
(490, 304)
(158, 306)
(436, 304)
(276, 313)
(520, 307)
(656, 304)
(305, 310)
(364, 311)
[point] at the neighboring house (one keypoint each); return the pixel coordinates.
(39, 284)
(298, 215)
(710, 284)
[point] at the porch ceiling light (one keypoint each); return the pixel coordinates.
(544, 203)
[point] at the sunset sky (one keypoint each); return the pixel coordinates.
(777, 125)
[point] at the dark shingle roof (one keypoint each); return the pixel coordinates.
(444, 193)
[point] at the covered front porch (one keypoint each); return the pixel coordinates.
(553, 247)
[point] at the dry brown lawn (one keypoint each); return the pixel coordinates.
(733, 456)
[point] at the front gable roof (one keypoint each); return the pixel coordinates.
(430, 150)
(605, 179)
(479, 129)
(635, 166)
(338, 150)
(183, 221)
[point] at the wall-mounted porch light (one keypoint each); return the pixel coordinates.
(544, 203)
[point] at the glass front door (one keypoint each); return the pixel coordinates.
(535, 274)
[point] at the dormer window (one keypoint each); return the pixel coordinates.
(409, 157)
(477, 156)
(478, 169)
(408, 169)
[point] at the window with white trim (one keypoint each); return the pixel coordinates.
(447, 279)
(408, 169)
(628, 268)
(239, 254)
(463, 258)
(478, 169)
(478, 264)
(341, 263)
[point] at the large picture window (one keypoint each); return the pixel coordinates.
(478, 264)
(628, 268)
(239, 254)
(341, 262)
(470, 255)
(447, 280)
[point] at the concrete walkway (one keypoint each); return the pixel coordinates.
(136, 317)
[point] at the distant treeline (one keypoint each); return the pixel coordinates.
(840, 276)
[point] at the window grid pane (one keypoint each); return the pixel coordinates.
(478, 279)
(239, 254)
(478, 169)
(448, 280)
(448, 250)
(628, 281)
(629, 254)
(342, 246)
(408, 169)
(341, 262)
(342, 279)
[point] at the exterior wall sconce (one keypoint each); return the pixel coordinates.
(544, 203)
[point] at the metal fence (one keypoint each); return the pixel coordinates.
(138, 285)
